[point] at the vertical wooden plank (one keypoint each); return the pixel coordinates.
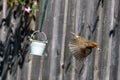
(118, 42)
(118, 72)
(97, 53)
(34, 64)
(9, 76)
(48, 29)
(41, 68)
(4, 8)
(30, 68)
(53, 57)
(18, 74)
(35, 67)
(115, 44)
(68, 75)
(112, 5)
(63, 40)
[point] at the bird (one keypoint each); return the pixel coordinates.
(80, 49)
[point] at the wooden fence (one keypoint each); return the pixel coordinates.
(96, 20)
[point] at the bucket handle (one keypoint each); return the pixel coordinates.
(31, 37)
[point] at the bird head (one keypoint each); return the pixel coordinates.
(92, 44)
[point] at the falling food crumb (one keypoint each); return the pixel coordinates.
(98, 49)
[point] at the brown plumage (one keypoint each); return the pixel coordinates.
(80, 46)
(80, 49)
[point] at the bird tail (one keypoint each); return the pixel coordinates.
(79, 65)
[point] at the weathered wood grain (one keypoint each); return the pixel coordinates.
(96, 20)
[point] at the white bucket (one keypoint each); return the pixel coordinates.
(37, 47)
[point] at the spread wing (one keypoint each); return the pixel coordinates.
(79, 37)
(78, 47)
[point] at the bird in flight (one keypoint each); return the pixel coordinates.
(80, 49)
